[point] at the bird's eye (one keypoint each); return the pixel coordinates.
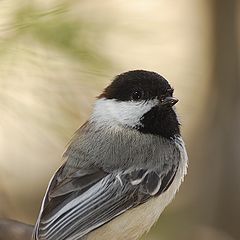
(136, 95)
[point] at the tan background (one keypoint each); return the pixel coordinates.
(56, 56)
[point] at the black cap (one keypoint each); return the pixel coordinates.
(138, 85)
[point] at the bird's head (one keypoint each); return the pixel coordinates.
(140, 100)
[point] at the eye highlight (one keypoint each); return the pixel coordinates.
(137, 95)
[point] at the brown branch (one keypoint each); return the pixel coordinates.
(14, 230)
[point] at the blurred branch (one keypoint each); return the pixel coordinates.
(14, 230)
(54, 27)
(227, 117)
(220, 195)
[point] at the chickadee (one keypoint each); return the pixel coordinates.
(122, 167)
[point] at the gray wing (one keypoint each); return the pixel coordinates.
(89, 198)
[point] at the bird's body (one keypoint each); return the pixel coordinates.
(132, 224)
(119, 171)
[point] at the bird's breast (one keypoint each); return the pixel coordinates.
(132, 224)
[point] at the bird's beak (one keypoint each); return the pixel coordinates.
(169, 101)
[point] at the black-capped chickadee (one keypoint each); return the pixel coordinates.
(122, 167)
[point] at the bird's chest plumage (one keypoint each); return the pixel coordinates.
(119, 148)
(132, 224)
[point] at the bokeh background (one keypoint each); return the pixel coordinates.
(57, 56)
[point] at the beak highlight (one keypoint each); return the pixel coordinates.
(169, 101)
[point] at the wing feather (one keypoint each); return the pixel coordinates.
(88, 198)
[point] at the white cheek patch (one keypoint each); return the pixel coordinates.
(115, 112)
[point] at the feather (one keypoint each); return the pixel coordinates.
(88, 198)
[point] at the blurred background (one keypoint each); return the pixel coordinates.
(57, 56)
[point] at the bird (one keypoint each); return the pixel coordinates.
(121, 168)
